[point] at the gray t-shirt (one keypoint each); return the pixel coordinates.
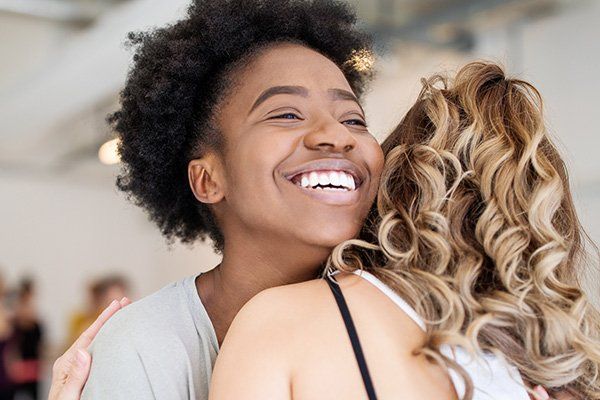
(162, 347)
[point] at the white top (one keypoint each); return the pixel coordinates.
(493, 377)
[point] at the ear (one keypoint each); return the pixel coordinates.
(206, 178)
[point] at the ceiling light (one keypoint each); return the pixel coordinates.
(108, 152)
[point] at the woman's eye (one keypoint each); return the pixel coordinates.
(358, 122)
(285, 116)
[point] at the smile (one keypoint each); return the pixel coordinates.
(332, 181)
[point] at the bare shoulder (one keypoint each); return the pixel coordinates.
(309, 308)
(302, 305)
(298, 299)
(284, 305)
(295, 294)
(257, 356)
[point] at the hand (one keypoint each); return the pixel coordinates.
(71, 370)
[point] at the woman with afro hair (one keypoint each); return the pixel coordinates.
(241, 124)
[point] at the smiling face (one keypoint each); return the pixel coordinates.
(299, 165)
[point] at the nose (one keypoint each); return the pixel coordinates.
(330, 136)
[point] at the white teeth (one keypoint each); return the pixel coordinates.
(341, 180)
(313, 178)
(324, 179)
(304, 182)
(334, 178)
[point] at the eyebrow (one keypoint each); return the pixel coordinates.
(341, 94)
(275, 90)
(335, 94)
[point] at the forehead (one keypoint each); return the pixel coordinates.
(292, 64)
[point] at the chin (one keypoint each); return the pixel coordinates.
(336, 234)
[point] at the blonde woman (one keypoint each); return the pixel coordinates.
(469, 288)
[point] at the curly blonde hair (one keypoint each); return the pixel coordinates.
(475, 226)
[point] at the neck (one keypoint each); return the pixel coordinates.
(249, 268)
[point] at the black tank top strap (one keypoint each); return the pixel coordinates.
(358, 352)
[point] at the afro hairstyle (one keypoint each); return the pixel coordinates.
(179, 73)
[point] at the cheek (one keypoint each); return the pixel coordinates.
(374, 158)
(254, 161)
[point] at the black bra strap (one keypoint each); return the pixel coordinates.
(358, 352)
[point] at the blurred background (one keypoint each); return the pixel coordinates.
(69, 242)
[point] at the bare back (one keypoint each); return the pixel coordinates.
(310, 355)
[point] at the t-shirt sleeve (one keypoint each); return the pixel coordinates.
(117, 370)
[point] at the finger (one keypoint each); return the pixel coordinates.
(78, 375)
(90, 333)
(540, 393)
(125, 302)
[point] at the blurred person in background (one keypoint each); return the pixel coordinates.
(6, 331)
(101, 293)
(27, 342)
